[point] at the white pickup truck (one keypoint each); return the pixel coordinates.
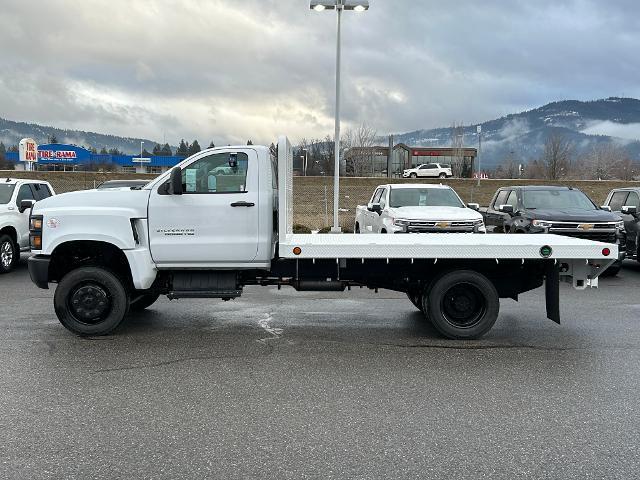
(16, 199)
(417, 208)
(200, 231)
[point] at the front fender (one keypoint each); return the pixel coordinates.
(95, 224)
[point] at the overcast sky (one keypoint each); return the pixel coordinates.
(229, 70)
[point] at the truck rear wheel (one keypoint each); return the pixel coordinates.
(91, 301)
(463, 305)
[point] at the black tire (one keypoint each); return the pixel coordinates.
(414, 175)
(9, 254)
(91, 301)
(357, 228)
(613, 270)
(141, 301)
(443, 175)
(463, 305)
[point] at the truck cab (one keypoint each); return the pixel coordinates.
(14, 217)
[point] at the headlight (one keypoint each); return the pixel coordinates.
(620, 225)
(35, 232)
(478, 226)
(399, 222)
(542, 224)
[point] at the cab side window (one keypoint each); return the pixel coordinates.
(633, 200)
(383, 198)
(377, 195)
(501, 199)
(618, 201)
(41, 191)
(24, 193)
(216, 173)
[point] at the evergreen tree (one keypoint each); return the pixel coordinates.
(53, 139)
(145, 154)
(249, 142)
(93, 150)
(183, 149)
(194, 148)
(103, 151)
(114, 151)
(13, 148)
(166, 150)
(157, 150)
(212, 145)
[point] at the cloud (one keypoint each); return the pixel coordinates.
(229, 70)
(627, 131)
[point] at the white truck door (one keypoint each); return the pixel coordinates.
(216, 218)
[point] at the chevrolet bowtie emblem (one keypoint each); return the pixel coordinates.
(585, 226)
(443, 224)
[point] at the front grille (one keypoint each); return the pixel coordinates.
(439, 227)
(606, 237)
(576, 226)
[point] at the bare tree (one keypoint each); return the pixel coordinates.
(457, 143)
(556, 158)
(359, 154)
(509, 168)
(608, 160)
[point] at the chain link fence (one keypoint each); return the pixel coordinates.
(313, 196)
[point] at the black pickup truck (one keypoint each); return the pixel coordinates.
(626, 203)
(560, 210)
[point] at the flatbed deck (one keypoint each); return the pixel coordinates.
(442, 246)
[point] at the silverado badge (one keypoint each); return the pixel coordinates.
(443, 224)
(586, 226)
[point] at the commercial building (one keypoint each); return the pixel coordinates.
(63, 157)
(373, 161)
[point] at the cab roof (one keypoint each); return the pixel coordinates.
(415, 185)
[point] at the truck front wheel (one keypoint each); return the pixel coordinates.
(9, 253)
(91, 301)
(463, 305)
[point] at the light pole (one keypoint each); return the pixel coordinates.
(306, 161)
(339, 6)
(479, 130)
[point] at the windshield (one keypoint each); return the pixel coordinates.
(557, 199)
(6, 190)
(423, 197)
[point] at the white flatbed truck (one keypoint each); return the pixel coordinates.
(222, 219)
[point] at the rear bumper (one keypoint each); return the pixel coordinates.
(39, 270)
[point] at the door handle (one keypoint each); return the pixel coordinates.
(243, 204)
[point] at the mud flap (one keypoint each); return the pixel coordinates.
(552, 291)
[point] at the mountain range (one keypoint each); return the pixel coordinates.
(12, 132)
(520, 136)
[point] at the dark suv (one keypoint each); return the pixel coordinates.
(560, 210)
(626, 203)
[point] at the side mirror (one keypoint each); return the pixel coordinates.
(629, 210)
(175, 182)
(606, 208)
(26, 205)
(375, 207)
(508, 209)
(474, 206)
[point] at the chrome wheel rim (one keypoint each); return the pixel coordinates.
(6, 254)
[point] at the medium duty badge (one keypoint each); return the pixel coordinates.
(546, 251)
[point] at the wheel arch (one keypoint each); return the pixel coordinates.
(11, 231)
(72, 254)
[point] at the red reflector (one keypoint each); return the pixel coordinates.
(606, 252)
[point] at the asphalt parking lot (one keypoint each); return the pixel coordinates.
(280, 384)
